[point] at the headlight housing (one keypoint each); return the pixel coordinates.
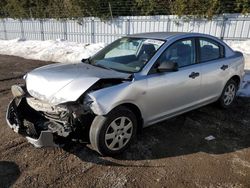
(25, 76)
(17, 91)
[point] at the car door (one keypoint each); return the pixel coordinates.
(170, 93)
(214, 68)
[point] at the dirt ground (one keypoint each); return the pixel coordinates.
(173, 153)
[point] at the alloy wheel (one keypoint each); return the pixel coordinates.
(229, 94)
(118, 133)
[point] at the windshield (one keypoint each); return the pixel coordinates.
(127, 54)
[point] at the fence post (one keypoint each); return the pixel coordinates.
(223, 27)
(42, 29)
(4, 30)
(127, 26)
(22, 29)
(65, 30)
(168, 24)
(92, 30)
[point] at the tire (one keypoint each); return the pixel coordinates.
(112, 134)
(228, 94)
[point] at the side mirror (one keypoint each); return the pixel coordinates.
(167, 66)
(83, 60)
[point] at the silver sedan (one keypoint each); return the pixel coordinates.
(132, 83)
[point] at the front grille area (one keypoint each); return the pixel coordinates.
(61, 117)
(54, 116)
(52, 113)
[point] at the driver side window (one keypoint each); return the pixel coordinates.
(181, 52)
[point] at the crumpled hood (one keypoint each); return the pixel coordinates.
(59, 83)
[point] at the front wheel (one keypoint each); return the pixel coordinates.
(112, 134)
(228, 94)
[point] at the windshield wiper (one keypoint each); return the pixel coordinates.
(104, 67)
(88, 61)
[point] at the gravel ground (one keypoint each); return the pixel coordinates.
(173, 153)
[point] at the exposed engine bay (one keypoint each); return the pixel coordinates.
(44, 124)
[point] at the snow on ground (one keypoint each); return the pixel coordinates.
(51, 50)
(245, 86)
(244, 47)
(72, 52)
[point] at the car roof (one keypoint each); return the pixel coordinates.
(158, 35)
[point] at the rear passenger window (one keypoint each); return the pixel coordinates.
(210, 50)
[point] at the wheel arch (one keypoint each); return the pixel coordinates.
(96, 136)
(237, 79)
(136, 110)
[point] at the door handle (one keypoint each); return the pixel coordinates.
(224, 67)
(194, 75)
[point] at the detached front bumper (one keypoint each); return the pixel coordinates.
(15, 117)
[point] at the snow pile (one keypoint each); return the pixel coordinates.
(245, 87)
(72, 52)
(56, 51)
(244, 47)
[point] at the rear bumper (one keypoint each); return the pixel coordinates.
(14, 121)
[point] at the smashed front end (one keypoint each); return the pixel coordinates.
(44, 124)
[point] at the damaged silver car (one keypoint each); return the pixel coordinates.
(132, 83)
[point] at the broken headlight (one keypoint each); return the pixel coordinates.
(17, 91)
(25, 76)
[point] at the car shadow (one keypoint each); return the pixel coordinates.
(9, 173)
(185, 135)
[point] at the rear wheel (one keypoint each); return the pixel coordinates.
(228, 95)
(112, 134)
